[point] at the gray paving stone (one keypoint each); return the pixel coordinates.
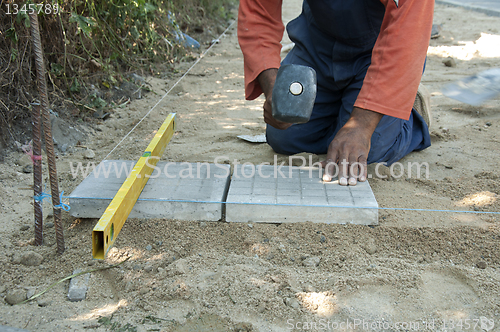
(78, 286)
(299, 198)
(489, 7)
(166, 194)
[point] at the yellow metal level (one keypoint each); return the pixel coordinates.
(112, 220)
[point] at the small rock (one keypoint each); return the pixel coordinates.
(89, 154)
(43, 302)
(181, 266)
(449, 62)
(159, 243)
(250, 225)
(148, 268)
(15, 296)
(78, 286)
(31, 258)
(25, 160)
(293, 303)
(2, 289)
(28, 169)
(322, 239)
(137, 267)
(220, 30)
(149, 247)
(49, 224)
(24, 228)
(370, 246)
(261, 307)
(488, 124)
(30, 292)
(203, 224)
(311, 261)
(482, 265)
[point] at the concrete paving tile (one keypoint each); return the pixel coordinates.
(308, 197)
(263, 191)
(314, 200)
(341, 201)
(362, 194)
(239, 199)
(242, 184)
(340, 193)
(313, 186)
(185, 197)
(313, 193)
(289, 192)
(289, 184)
(189, 197)
(263, 200)
(286, 200)
(489, 7)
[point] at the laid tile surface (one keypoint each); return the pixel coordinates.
(265, 194)
(293, 194)
(184, 191)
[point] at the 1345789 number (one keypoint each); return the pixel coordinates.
(39, 8)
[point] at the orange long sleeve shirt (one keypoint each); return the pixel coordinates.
(398, 57)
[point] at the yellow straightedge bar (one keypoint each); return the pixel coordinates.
(112, 220)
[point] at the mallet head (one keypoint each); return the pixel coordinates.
(294, 93)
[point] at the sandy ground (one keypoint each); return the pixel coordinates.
(439, 270)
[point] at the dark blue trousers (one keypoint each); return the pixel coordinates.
(341, 65)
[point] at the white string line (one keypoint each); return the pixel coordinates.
(286, 205)
(166, 93)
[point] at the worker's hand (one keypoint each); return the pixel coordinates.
(348, 151)
(266, 81)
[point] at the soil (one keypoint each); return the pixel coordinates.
(440, 270)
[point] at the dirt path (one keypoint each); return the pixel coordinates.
(423, 267)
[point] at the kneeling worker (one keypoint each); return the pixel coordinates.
(369, 56)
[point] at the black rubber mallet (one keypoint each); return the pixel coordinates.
(294, 93)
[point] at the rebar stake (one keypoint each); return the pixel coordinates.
(37, 173)
(49, 143)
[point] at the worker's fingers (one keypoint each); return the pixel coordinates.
(268, 117)
(330, 170)
(363, 168)
(330, 165)
(353, 170)
(343, 170)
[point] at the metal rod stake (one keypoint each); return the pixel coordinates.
(49, 143)
(37, 173)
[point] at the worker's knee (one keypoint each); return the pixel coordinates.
(279, 140)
